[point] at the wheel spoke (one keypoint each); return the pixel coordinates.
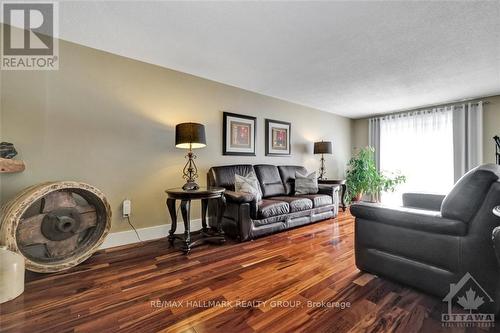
(88, 217)
(58, 199)
(29, 231)
(85, 209)
(61, 248)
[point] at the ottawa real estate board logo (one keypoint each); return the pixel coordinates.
(474, 300)
(29, 36)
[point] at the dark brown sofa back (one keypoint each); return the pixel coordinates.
(274, 180)
(223, 176)
(287, 174)
(270, 180)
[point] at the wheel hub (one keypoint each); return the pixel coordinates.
(61, 224)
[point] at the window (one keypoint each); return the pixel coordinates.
(420, 146)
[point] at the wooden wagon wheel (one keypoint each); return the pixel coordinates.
(55, 225)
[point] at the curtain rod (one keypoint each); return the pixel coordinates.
(430, 106)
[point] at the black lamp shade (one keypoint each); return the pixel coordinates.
(323, 147)
(190, 135)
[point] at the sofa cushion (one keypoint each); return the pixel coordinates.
(469, 192)
(249, 184)
(306, 183)
(267, 208)
(319, 200)
(296, 204)
(270, 180)
(223, 176)
(287, 174)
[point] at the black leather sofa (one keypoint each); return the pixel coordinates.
(433, 241)
(246, 218)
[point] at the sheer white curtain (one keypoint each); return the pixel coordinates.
(419, 145)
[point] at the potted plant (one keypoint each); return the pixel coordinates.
(364, 178)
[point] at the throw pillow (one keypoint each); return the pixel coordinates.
(248, 184)
(306, 184)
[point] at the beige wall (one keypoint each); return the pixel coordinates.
(109, 121)
(359, 133)
(491, 127)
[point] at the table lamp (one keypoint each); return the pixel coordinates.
(323, 147)
(190, 136)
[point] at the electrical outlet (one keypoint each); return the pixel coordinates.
(126, 208)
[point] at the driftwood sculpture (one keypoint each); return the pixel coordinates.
(55, 225)
(7, 150)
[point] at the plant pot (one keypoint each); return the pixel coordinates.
(357, 197)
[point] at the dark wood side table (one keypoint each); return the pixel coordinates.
(343, 188)
(496, 211)
(204, 194)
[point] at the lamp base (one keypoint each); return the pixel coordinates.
(190, 186)
(190, 172)
(322, 169)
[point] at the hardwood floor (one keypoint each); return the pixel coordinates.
(273, 284)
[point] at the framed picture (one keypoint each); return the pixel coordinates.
(278, 138)
(238, 134)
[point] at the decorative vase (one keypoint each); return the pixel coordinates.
(11, 275)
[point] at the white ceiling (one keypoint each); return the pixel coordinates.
(349, 58)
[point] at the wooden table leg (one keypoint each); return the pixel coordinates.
(173, 217)
(185, 210)
(221, 207)
(342, 196)
(204, 206)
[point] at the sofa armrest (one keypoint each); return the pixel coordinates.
(243, 199)
(331, 190)
(496, 242)
(239, 197)
(416, 219)
(423, 201)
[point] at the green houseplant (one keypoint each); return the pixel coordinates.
(364, 178)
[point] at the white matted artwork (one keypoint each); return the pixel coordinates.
(238, 134)
(278, 138)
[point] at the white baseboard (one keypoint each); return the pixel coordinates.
(159, 231)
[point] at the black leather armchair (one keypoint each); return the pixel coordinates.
(433, 241)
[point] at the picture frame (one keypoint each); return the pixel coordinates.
(278, 138)
(238, 134)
